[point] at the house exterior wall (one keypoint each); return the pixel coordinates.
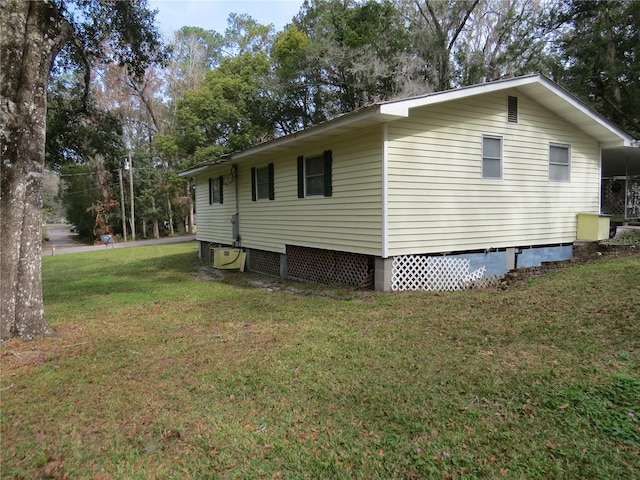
(214, 221)
(409, 196)
(350, 220)
(438, 201)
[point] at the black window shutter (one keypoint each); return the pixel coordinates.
(210, 191)
(300, 176)
(328, 191)
(221, 182)
(253, 184)
(272, 194)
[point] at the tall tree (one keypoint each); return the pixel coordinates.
(292, 92)
(194, 51)
(338, 56)
(33, 35)
(78, 132)
(229, 112)
(437, 28)
(601, 54)
(504, 38)
(231, 106)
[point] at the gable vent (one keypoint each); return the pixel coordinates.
(512, 109)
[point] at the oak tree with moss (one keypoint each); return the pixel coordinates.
(37, 36)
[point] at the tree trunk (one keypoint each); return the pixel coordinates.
(191, 222)
(32, 34)
(170, 216)
(156, 228)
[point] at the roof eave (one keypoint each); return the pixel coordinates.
(581, 115)
(371, 112)
(204, 166)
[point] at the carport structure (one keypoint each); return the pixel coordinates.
(620, 190)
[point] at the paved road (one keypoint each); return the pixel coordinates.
(61, 240)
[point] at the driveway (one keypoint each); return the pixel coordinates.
(61, 240)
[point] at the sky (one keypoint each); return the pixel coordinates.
(212, 14)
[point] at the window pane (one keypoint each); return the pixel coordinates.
(262, 183)
(314, 166)
(315, 185)
(262, 175)
(314, 175)
(491, 168)
(215, 190)
(559, 173)
(491, 147)
(263, 191)
(559, 155)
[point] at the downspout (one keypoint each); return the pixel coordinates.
(626, 188)
(600, 172)
(236, 218)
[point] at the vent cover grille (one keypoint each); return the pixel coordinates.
(512, 109)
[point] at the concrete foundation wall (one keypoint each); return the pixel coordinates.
(533, 257)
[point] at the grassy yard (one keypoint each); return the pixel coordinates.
(158, 371)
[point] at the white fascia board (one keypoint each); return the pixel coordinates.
(623, 143)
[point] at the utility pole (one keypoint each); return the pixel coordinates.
(124, 213)
(129, 166)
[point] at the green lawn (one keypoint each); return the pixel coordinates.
(160, 372)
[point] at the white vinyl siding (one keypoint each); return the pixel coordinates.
(350, 220)
(214, 220)
(438, 201)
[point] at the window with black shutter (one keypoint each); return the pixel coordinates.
(315, 175)
(262, 183)
(215, 190)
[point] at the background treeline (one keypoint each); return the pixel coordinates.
(224, 91)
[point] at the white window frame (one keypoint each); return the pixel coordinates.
(316, 158)
(265, 184)
(215, 189)
(492, 159)
(565, 166)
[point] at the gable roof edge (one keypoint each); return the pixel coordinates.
(527, 84)
(536, 86)
(400, 106)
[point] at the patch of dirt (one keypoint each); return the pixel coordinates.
(205, 272)
(18, 353)
(257, 280)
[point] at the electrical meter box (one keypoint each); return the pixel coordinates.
(235, 227)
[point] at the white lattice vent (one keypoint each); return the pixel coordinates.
(418, 272)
